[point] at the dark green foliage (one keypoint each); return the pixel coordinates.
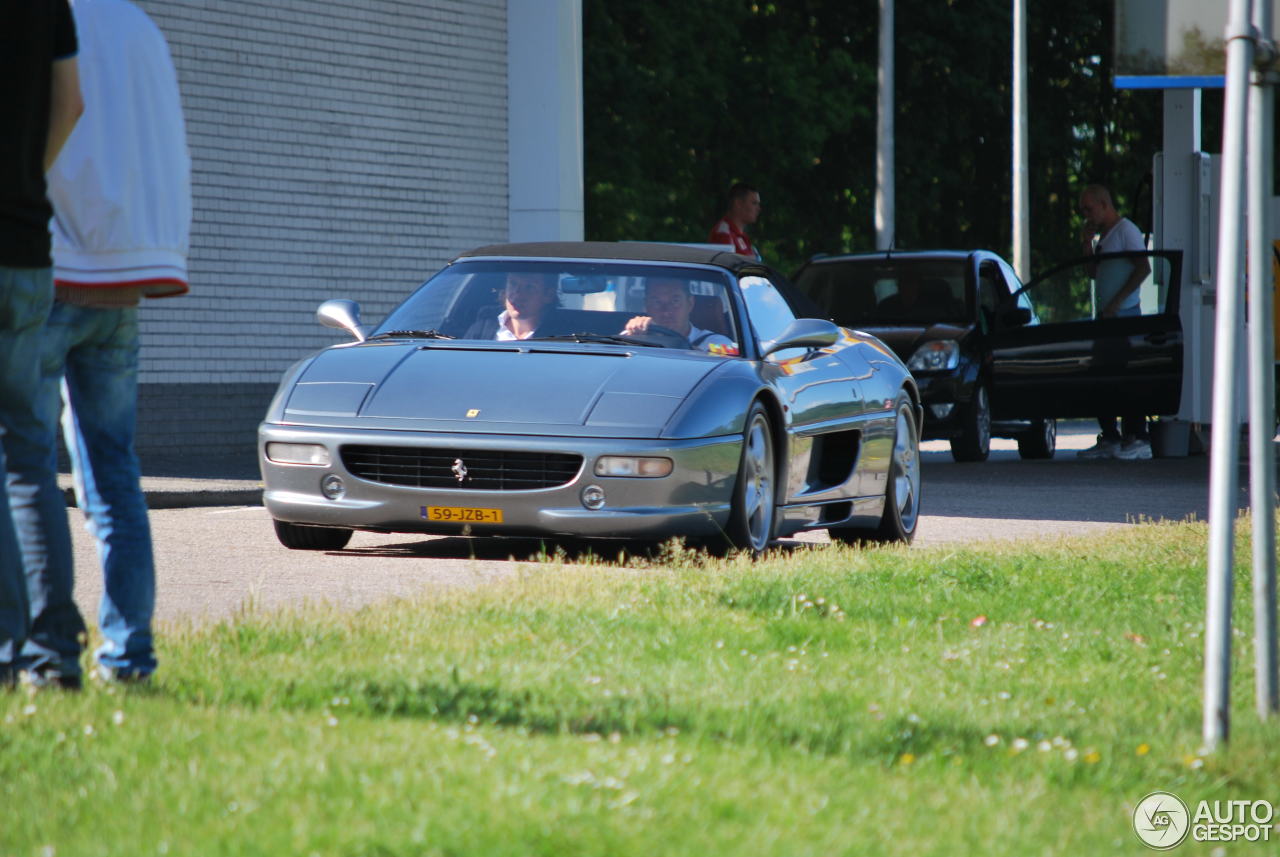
(683, 99)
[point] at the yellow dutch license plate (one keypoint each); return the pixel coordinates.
(462, 514)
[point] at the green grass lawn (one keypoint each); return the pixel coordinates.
(997, 700)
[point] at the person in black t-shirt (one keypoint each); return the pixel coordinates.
(39, 105)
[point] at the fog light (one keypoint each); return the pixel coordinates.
(593, 497)
(631, 465)
(298, 453)
(942, 411)
(332, 486)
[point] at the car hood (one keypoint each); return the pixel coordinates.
(904, 339)
(527, 388)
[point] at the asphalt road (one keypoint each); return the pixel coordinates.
(215, 561)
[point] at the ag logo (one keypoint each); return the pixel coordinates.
(1161, 821)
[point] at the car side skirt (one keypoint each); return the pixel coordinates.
(859, 512)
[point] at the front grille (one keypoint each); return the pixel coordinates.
(482, 470)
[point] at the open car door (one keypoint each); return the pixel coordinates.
(1054, 357)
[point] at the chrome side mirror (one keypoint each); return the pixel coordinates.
(803, 333)
(342, 314)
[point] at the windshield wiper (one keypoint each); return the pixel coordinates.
(419, 334)
(601, 337)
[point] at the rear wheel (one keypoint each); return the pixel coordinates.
(902, 490)
(1039, 441)
(301, 538)
(751, 517)
(974, 442)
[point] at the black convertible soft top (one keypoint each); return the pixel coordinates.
(623, 250)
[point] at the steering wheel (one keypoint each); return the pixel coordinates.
(660, 332)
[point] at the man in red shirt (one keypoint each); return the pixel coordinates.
(744, 210)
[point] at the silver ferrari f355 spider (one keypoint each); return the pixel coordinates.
(636, 391)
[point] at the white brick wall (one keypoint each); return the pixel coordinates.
(340, 149)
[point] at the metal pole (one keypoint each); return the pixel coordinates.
(1262, 454)
(884, 134)
(1021, 214)
(1223, 464)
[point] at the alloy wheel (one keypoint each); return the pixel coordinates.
(906, 485)
(982, 417)
(757, 495)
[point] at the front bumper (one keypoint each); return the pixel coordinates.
(948, 388)
(693, 501)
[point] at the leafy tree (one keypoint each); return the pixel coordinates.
(683, 99)
(1081, 128)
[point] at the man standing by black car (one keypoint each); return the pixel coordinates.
(40, 103)
(1117, 283)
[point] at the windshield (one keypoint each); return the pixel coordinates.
(600, 302)
(865, 293)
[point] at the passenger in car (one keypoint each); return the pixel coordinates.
(530, 302)
(905, 302)
(928, 298)
(668, 303)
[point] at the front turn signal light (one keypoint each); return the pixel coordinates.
(634, 466)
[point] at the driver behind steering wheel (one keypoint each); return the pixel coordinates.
(668, 303)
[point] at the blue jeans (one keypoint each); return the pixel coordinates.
(25, 298)
(92, 354)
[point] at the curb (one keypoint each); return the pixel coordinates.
(203, 497)
(193, 497)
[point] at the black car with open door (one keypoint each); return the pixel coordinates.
(993, 356)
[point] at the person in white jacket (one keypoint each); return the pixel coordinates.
(121, 194)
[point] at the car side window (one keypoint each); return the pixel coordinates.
(769, 311)
(1109, 285)
(1013, 286)
(1024, 302)
(991, 290)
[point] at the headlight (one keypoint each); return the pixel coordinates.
(298, 453)
(935, 356)
(626, 465)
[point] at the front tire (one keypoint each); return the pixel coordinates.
(902, 491)
(1041, 440)
(752, 515)
(300, 538)
(974, 442)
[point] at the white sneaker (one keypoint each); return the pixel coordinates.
(1134, 449)
(1104, 448)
